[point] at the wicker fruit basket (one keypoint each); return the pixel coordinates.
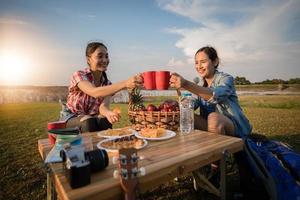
(154, 119)
(141, 118)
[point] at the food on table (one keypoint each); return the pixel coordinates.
(164, 115)
(117, 110)
(151, 107)
(117, 132)
(136, 103)
(153, 133)
(125, 142)
(169, 105)
(136, 100)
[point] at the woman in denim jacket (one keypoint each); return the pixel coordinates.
(220, 111)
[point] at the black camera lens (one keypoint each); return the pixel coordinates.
(62, 155)
(98, 159)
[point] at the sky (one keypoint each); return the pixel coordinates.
(43, 42)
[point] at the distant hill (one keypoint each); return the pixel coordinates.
(19, 94)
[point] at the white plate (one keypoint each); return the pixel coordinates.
(169, 134)
(102, 134)
(99, 145)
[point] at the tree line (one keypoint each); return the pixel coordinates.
(240, 80)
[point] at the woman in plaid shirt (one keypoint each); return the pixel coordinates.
(90, 92)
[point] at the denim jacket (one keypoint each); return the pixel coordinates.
(225, 101)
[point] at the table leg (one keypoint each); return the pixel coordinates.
(203, 182)
(224, 157)
(51, 192)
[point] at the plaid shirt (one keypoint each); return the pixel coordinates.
(79, 102)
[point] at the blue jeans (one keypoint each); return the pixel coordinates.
(65, 113)
(94, 123)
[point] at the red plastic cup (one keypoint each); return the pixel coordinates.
(149, 80)
(162, 80)
(52, 126)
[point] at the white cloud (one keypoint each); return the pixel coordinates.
(256, 39)
(182, 66)
(176, 63)
(204, 11)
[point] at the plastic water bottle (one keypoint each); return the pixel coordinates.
(186, 113)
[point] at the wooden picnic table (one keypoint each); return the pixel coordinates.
(164, 160)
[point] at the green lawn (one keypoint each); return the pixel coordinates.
(21, 125)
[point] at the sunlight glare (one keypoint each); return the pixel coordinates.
(13, 67)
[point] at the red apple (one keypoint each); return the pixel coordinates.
(151, 107)
(169, 105)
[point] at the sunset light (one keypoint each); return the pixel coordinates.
(185, 84)
(13, 67)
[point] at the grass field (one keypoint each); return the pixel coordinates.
(21, 125)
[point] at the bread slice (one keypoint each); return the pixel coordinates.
(153, 133)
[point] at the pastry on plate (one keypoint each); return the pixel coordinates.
(153, 133)
(117, 132)
(125, 142)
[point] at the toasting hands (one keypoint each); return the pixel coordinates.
(177, 81)
(135, 81)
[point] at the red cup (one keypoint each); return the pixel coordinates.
(52, 126)
(149, 80)
(162, 80)
(52, 138)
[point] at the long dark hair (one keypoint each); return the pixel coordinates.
(211, 53)
(91, 48)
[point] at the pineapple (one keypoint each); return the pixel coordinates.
(135, 100)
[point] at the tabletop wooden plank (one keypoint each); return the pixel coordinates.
(163, 161)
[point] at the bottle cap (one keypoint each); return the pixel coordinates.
(187, 94)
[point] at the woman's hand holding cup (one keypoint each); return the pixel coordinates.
(135, 81)
(177, 81)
